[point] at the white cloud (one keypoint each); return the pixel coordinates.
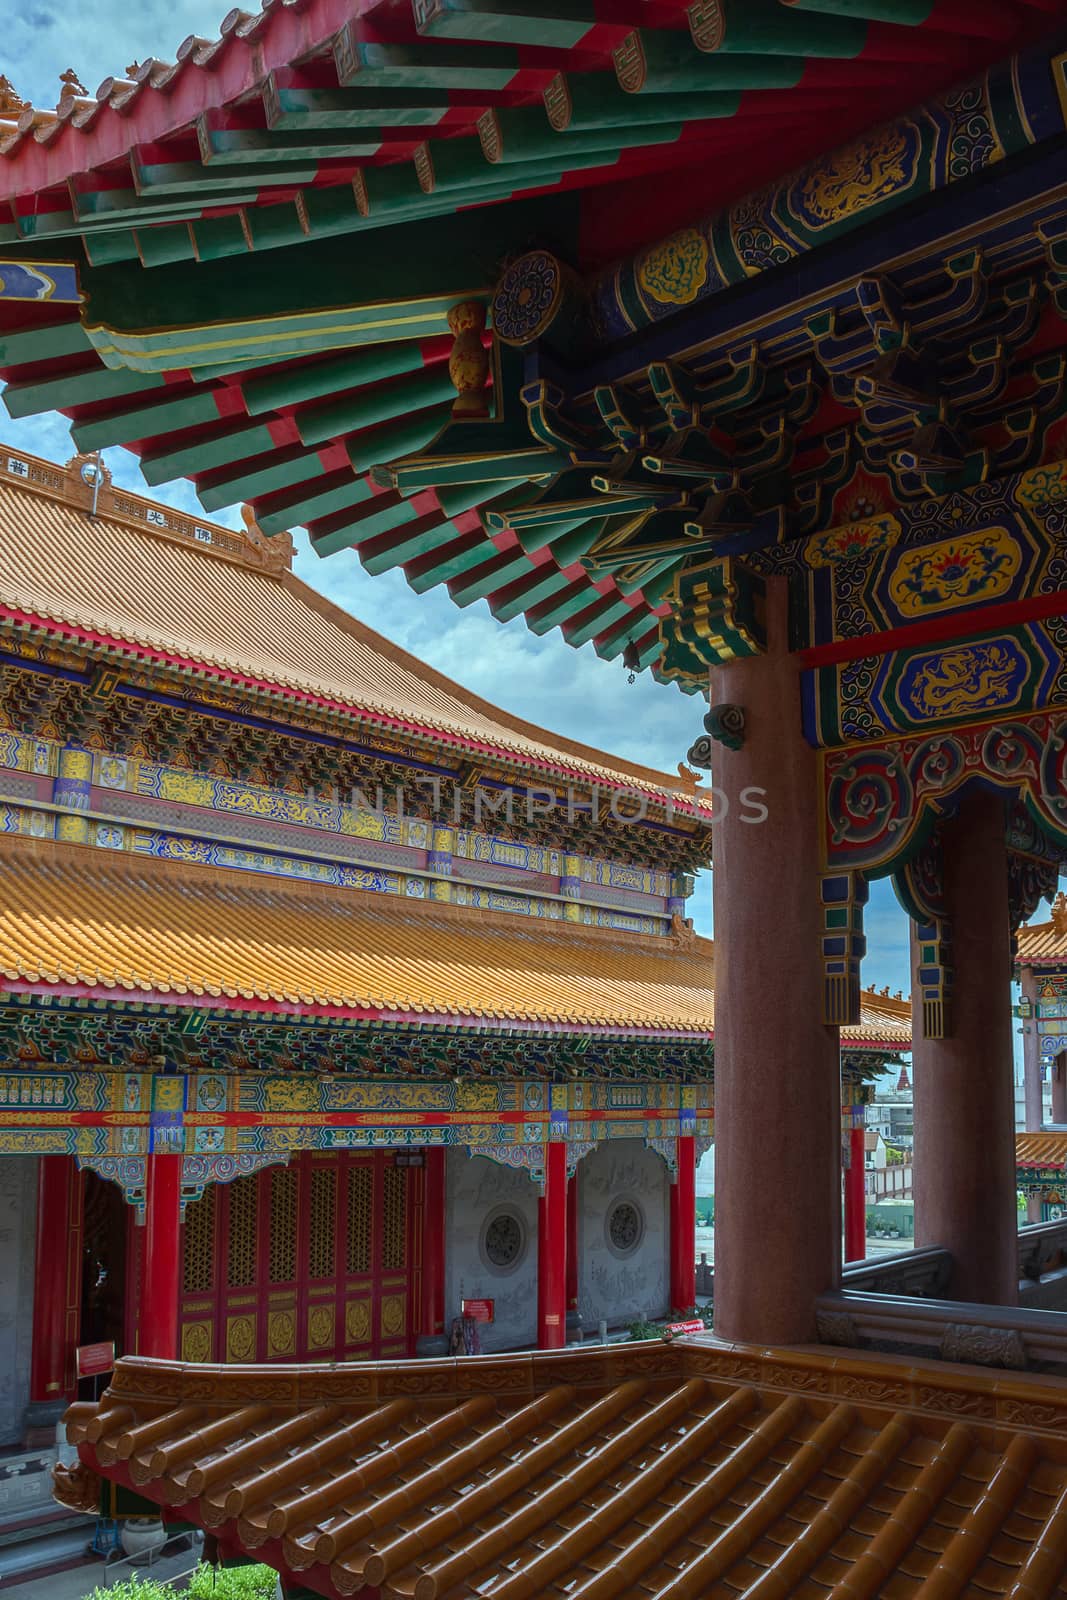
(99, 41)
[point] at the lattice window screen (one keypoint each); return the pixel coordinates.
(198, 1265)
(283, 1200)
(394, 1220)
(241, 1259)
(322, 1251)
(360, 1195)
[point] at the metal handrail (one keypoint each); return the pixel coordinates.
(925, 1272)
(112, 1561)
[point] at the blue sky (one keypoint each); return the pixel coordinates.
(571, 692)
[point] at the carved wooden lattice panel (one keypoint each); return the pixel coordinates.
(394, 1219)
(241, 1243)
(322, 1243)
(283, 1219)
(308, 1261)
(360, 1213)
(198, 1266)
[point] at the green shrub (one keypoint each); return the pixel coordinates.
(645, 1330)
(134, 1588)
(250, 1582)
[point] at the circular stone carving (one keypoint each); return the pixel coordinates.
(527, 298)
(503, 1240)
(624, 1227)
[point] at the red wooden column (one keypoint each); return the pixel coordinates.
(57, 1283)
(683, 1226)
(1034, 1111)
(964, 1090)
(572, 1248)
(1059, 1088)
(552, 1250)
(432, 1306)
(856, 1198)
(777, 1088)
(162, 1256)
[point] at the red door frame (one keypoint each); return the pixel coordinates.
(374, 1313)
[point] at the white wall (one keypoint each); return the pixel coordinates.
(476, 1188)
(18, 1217)
(622, 1288)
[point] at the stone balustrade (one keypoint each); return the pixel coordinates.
(1042, 1251)
(951, 1330)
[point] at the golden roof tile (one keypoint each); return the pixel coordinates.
(1041, 1150)
(1044, 944)
(70, 914)
(643, 1469)
(223, 603)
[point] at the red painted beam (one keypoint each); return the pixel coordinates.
(935, 630)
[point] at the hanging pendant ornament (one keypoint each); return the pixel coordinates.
(631, 661)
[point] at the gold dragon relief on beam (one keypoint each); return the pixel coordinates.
(776, 223)
(867, 171)
(952, 683)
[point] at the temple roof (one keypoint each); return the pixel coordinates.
(314, 96)
(671, 1472)
(1040, 1151)
(1044, 944)
(73, 919)
(248, 265)
(221, 603)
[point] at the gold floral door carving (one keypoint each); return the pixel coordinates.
(313, 1261)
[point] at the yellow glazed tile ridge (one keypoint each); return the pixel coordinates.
(78, 913)
(140, 584)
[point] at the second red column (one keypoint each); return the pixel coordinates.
(552, 1250)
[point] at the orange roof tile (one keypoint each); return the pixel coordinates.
(1044, 944)
(883, 1018)
(73, 915)
(234, 609)
(672, 1472)
(1041, 1150)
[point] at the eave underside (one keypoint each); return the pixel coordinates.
(182, 363)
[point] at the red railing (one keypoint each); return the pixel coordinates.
(887, 1183)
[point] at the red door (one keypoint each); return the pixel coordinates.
(313, 1261)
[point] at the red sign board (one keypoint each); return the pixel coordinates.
(695, 1325)
(477, 1310)
(95, 1359)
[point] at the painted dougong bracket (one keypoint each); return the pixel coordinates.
(919, 886)
(843, 946)
(716, 616)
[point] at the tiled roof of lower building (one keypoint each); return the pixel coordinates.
(1044, 944)
(136, 928)
(1041, 1150)
(644, 1472)
(138, 574)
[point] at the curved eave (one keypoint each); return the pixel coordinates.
(191, 669)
